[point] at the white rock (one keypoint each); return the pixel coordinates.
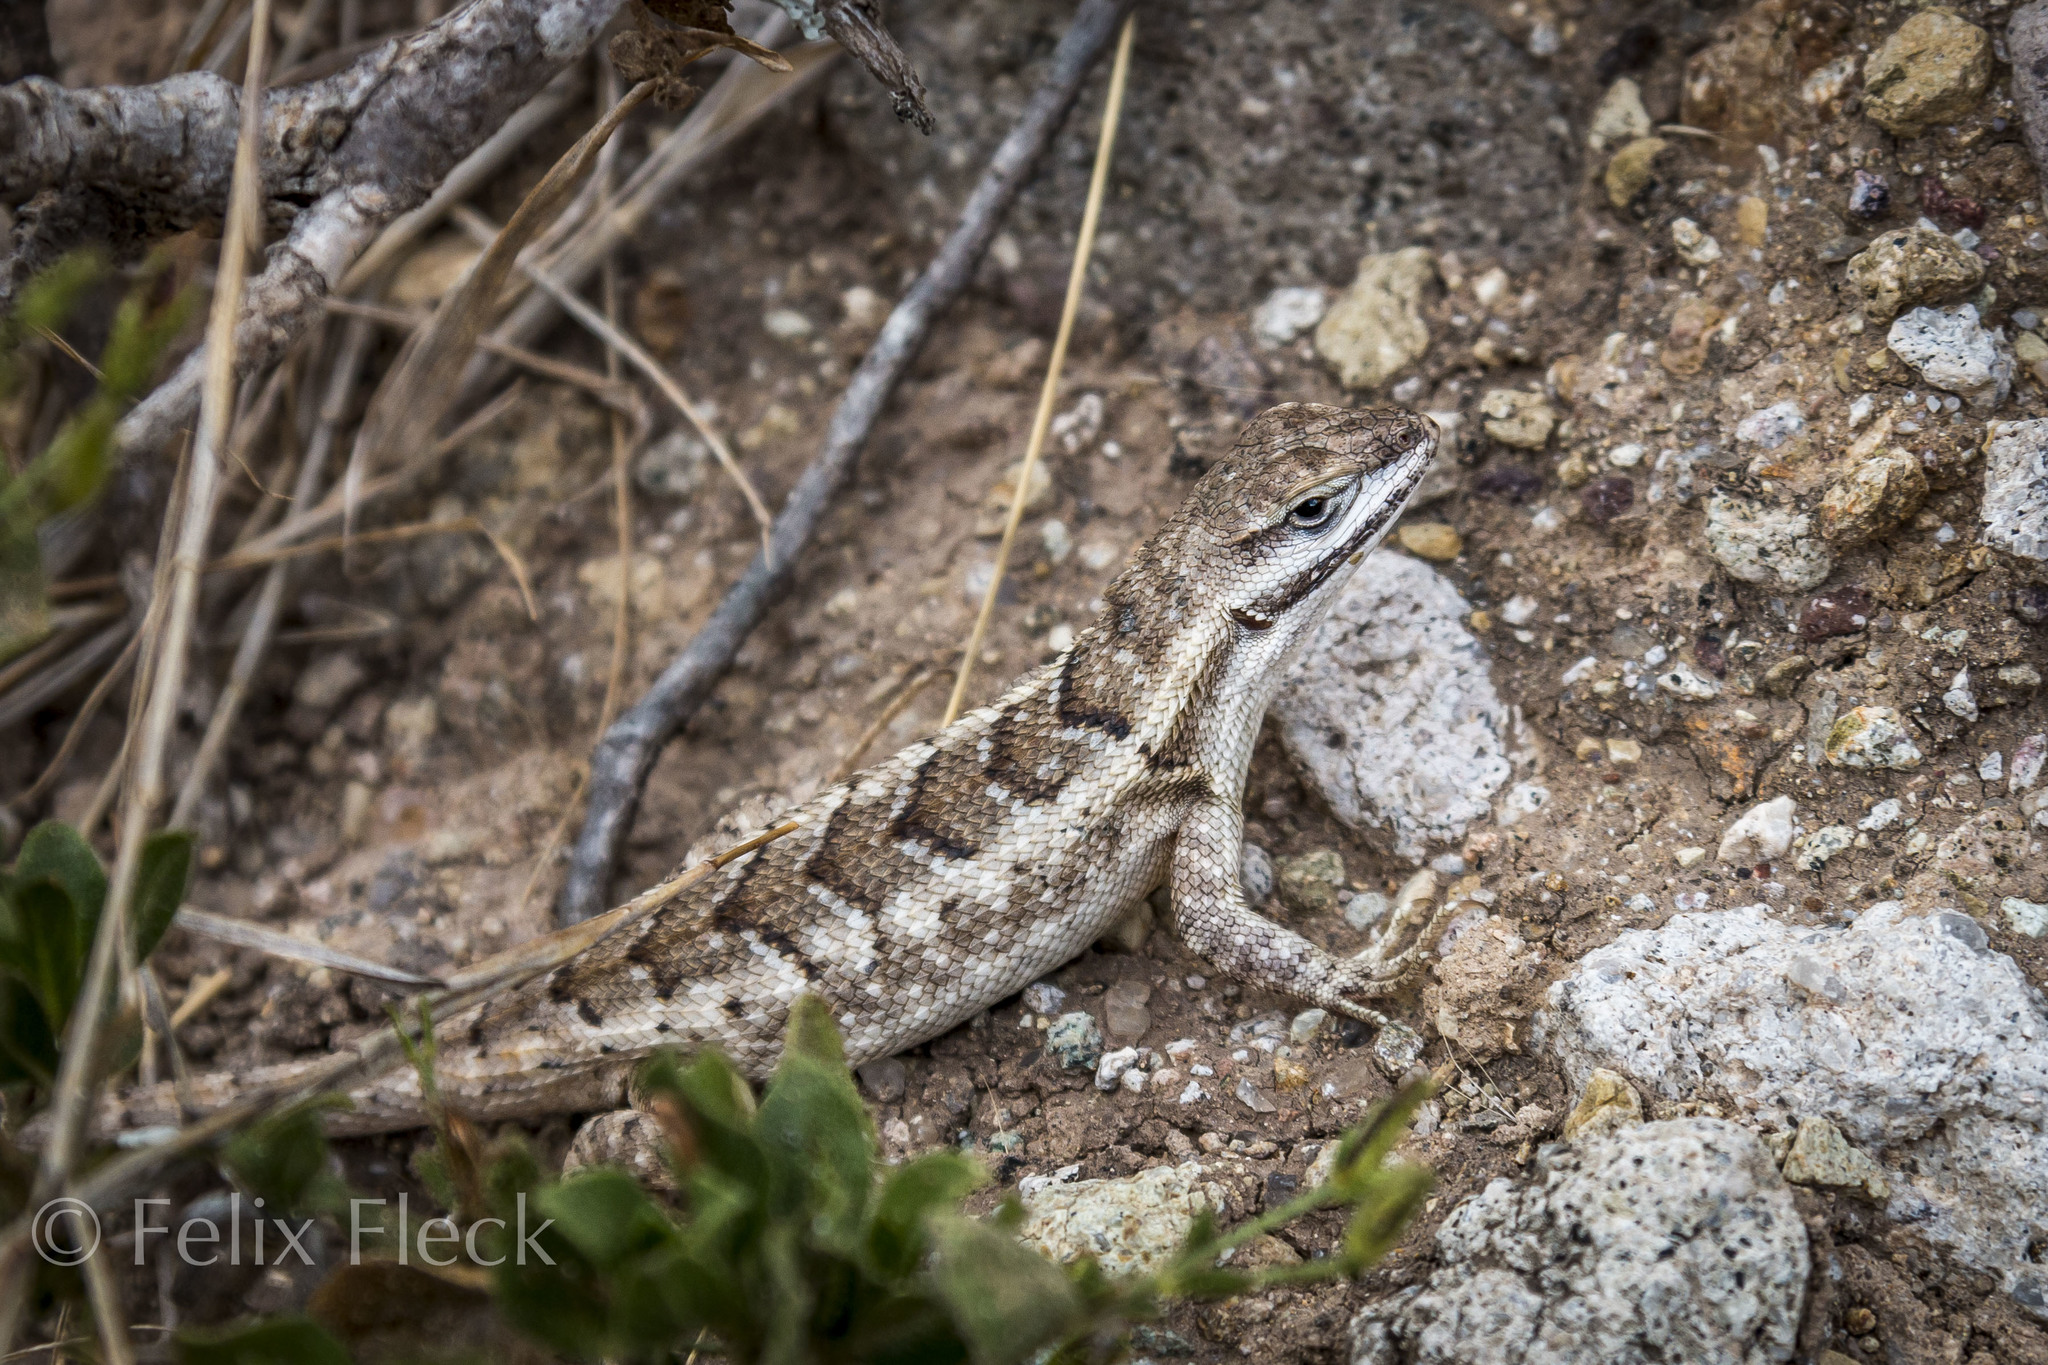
(1524, 798)
(1872, 737)
(1672, 1241)
(1133, 1225)
(1407, 691)
(1695, 245)
(1959, 699)
(1762, 544)
(1764, 832)
(1110, 1070)
(1991, 767)
(2015, 509)
(1681, 681)
(1953, 352)
(1933, 1059)
(1375, 329)
(1079, 425)
(786, 324)
(1822, 845)
(1620, 117)
(1518, 610)
(2025, 917)
(2027, 757)
(1770, 428)
(1883, 815)
(1042, 997)
(1288, 312)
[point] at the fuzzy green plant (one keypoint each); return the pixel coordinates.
(69, 472)
(789, 1241)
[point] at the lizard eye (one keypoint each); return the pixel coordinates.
(1310, 512)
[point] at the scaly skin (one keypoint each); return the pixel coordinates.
(949, 876)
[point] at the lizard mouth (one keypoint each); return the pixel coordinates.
(1264, 612)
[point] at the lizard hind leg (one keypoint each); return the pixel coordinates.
(630, 1140)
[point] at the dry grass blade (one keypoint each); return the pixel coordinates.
(415, 396)
(613, 393)
(201, 993)
(1077, 281)
(76, 1089)
(911, 689)
(86, 711)
(649, 366)
(241, 933)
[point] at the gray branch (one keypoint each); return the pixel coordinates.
(626, 754)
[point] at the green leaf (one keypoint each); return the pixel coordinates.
(604, 1214)
(28, 1051)
(58, 852)
(284, 1159)
(44, 953)
(159, 887)
(1006, 1300)
(1388, 1203)
(813, 1116)
(47, 300)
(264, 1341)
(913, 1194)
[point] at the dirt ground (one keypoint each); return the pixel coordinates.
(401, 782)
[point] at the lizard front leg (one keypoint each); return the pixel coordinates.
(1212, 918)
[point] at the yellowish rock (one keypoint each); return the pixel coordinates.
(1872, 498)
(1820, 1155)
(1431, 540)
(1624, 753)
(1375, 329)
(1932, 70)
(1752, 221)
(1289, 1074)
(1915, 265)
(1620, 117)
(1608, 1103)
(1588, 749)
(1631, 169)
(1515, 417)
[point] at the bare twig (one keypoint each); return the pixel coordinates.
(620, 766)
(1077, 280)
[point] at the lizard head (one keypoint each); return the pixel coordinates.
(1304, 496)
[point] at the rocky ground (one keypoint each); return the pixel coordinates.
(1705, 677)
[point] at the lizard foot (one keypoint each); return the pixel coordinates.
(1384, 967)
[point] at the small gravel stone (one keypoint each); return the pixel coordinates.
(1074, 1041)
(1873, 498)
(1681, 681)
(1758, 543)
(1134, 1225)
(1772, 428)
(1959, 700)
(1630, 170)
(883, 1079)
(1820, 1155)
(1619, 118)
(1109, 1070)
(1288, 312)
(1912, 266)
(2025, 917)
(1397, 1049)
(1953, 352)
(1606, 1105)
(1695, 245)
(1883, 815)
(1375, 330)
(1042, 997)
(1309, 882)
(1762, 833)
(1933, 69)
(1605, 499)
(1822, 845)
(2015, 507)
(673, 467)
(1366, 909)
(1844, 611)
(1870, 196)
(1518, 418)
(1124, 1011)
(1307, 1025)
(1253, 1098)
(1871, 737)
(1430, 540)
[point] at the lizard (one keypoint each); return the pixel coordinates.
(944, 879)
